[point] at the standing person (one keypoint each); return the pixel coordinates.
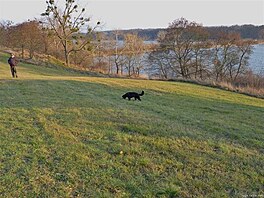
(13, 62)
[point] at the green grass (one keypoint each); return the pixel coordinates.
(66, 135)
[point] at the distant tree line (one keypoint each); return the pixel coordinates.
(147, 34)
(245, 31)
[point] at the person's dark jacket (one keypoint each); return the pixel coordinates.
(12, 61)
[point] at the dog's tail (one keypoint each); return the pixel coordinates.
(142, 93)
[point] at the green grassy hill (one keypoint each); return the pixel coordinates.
(69, 135)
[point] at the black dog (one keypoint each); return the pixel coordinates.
(135, 95)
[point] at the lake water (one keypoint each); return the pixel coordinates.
(256, 61)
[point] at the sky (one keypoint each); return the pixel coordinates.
(128, 14)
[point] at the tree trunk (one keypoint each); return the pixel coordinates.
(121, 69)
(240, 65)
(117, 66)
(66, 53)
(22, 48)
(66, 58)
(31, 53)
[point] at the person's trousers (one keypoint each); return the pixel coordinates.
(13, 71)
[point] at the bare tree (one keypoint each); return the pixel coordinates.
(4, 27)
(179, 40)
(226, 56)
(239, 66)
(133, 51)
(67, 24)
(182, 48)
(199, 68)
(159, 64)
(33, 37)
(119, 53)
(27, 36)
(100, 47)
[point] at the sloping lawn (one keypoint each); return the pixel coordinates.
(69, 135)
